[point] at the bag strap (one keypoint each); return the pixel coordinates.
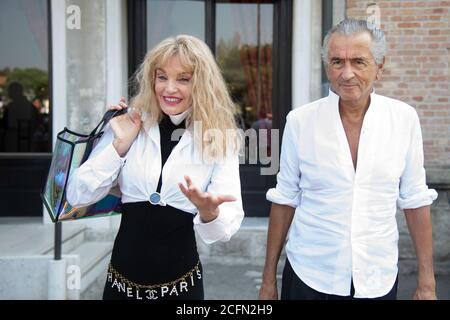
(106, 117)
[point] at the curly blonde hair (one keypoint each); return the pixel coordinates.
(211, 101)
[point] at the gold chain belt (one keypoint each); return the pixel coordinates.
(130, 283)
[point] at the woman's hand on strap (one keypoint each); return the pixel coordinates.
(125, 127)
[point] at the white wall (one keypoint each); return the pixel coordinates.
(315, 88)
(301, 55)
(89, 68)
(59, 110)
(307, 42)
(59, 100)
(116, 62)
(306, 63)
(338, 11)
(116, 50)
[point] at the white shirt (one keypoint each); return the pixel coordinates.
(344, 224)
(138, 173)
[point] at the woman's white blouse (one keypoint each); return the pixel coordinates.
(138, 173)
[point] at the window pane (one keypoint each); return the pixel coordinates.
(169, 18)
(244, 33)
(24, 103)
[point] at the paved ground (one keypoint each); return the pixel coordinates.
(230, 281)
(234, 279)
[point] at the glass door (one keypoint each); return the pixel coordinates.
(251, 41)
(168, 18)
(24, 101)
(244, 46)
(25, 117)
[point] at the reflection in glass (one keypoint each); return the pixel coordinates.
(24, 103)
(244, 33)
(170, 18)
(244, 52)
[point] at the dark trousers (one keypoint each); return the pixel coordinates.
(292, 288)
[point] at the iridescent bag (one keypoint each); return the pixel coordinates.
(71, 151)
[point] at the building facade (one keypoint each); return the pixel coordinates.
(64, 61)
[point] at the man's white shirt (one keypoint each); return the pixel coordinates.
(138, 173)
(344, 225)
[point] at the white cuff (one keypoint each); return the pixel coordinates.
(424, 198)
(275, 196)
(212, 231)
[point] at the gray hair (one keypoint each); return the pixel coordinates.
(351, 27)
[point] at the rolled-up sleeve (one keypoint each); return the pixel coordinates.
(287, 190)
(225, 180)
(94, 178)
(414, 192)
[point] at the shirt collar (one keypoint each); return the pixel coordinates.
(153, 131)
(178, 118)
(333, 95)
(333, 100)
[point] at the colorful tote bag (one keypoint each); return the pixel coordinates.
(71, 151)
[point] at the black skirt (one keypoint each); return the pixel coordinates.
(154, 256)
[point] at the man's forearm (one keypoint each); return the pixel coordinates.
(420, 228)
(279, 223)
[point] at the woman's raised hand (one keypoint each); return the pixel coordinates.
(125, 127)
(206, 203)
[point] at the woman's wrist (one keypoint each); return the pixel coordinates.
(120, 147)
(208, 216)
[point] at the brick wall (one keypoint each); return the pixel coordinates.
(418, 66)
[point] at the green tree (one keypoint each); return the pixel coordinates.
(33, 80)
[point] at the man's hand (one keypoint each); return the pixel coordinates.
(279, 222)
(426, 289)
(420, 228)
(268, 291)
(206, 203)
(424, 295)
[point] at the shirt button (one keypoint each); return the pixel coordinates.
(155, 198)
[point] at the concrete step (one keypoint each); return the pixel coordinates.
(37, 238)
(70, 240)
(94, 259)
(248, 243)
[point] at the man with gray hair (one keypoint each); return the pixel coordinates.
(347, 162)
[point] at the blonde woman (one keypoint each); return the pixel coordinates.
(170, 185)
